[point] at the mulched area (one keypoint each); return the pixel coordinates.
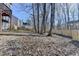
(38, 46)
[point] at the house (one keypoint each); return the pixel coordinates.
(27, 25)
(73, 24)
(20, 23)
(14, 22)
(5, 16)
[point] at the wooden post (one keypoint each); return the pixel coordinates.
(10, 23)
(0, 21)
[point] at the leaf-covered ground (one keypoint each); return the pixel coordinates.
(38, 46)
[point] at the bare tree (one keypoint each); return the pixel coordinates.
(52, 18)
(67, 7)
(38, 17)
(34, 18)
(44, 17)
(64, 12)
(43, 25)
(78, 10)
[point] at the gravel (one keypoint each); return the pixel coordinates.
(38, 46)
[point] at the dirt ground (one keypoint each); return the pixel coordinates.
(38, 46)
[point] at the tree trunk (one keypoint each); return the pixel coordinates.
(67, 15)
(34, 19)
(52, 19)
(38, 16)
(43, 25)
(44, 17)
(78, 11)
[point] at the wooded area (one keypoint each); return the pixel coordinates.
(50, 29)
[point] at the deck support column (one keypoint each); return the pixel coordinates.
(0, 21)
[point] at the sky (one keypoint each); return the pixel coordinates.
(19, 12)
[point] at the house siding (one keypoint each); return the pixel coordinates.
(5, 11)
